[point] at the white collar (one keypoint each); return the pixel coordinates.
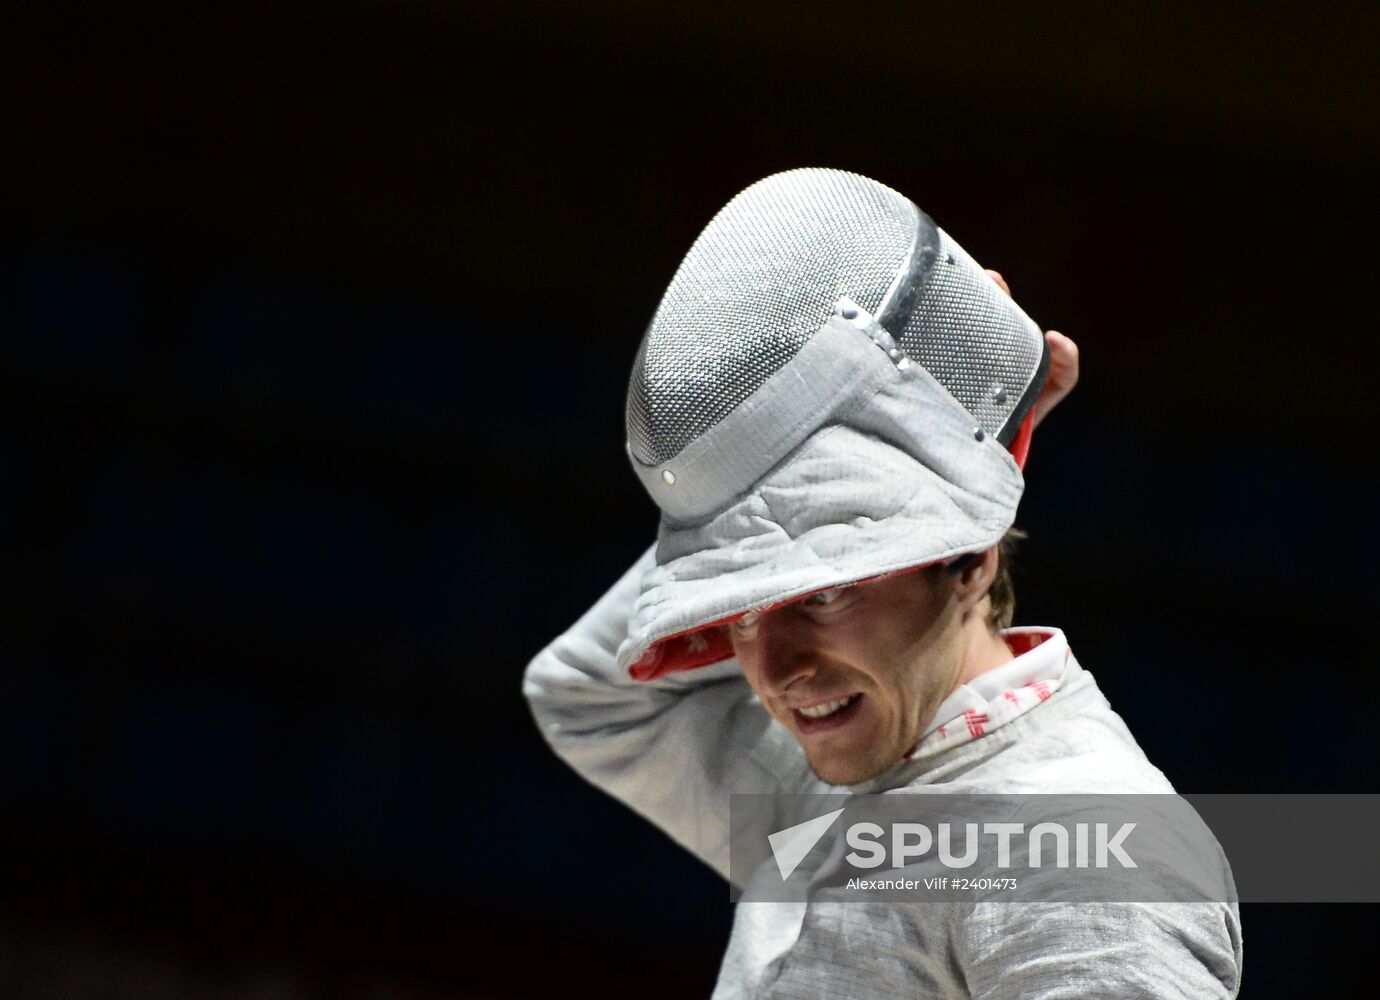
(1000, 694)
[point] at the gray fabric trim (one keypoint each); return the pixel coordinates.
(834, 372)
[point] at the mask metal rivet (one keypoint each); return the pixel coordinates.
(979, 434)
(849, 312)
(1000, 394)
(951, 258)
(668, 477)
(893, 354)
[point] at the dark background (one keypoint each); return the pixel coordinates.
(317, 320)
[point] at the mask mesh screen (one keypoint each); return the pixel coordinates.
(759, 280)
(971, 338)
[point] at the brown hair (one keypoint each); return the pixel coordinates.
(1003, 591)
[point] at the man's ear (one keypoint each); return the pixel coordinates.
(975, 580)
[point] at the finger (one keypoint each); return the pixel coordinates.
(1001, 282)
(1063, 359)
(1062, 377)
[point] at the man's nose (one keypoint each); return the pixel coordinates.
(785, 654)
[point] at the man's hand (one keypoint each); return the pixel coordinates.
(1063, 365)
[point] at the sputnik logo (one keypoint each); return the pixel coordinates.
(789, 846)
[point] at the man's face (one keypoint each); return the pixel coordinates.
(856, 673)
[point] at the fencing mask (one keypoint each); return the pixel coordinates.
(831, 390)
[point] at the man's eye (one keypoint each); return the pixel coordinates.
(747, 622)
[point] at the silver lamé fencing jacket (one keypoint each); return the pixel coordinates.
(675, 748)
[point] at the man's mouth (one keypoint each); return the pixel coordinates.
(827, 714)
